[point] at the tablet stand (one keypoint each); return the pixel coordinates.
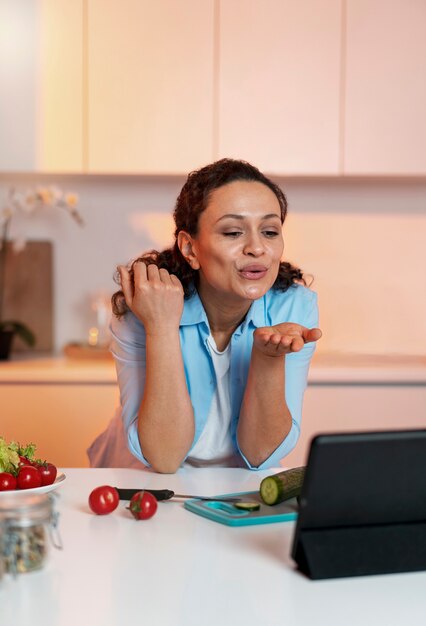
(361, 550)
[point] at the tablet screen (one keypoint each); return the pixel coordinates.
(365, 478)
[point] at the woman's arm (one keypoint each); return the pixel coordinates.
(265, 418)
(165, 418)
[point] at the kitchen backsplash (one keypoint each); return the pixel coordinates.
(362, 240)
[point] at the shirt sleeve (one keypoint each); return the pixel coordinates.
(296, 380)
(128, 347)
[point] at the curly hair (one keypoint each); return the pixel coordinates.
(191, 202)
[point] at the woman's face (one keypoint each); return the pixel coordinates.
(239, 243)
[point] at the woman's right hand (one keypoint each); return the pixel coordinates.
(154, 296)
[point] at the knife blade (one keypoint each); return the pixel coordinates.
(168, 494)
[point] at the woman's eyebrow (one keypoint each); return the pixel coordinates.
(237, 216)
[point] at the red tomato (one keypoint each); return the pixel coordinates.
(48, 473)
(104, 500)
(7, 481)
(24, 461)
(143, 505)
(28, 477)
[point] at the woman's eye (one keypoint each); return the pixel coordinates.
(270, 233)
(234, 233)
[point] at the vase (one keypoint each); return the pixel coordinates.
(6, 337)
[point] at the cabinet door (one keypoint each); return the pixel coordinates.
(354, 408)
(150, 85)
(62, 420)
(279, 84)
(385, 128)
(41, 78)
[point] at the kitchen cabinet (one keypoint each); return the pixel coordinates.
(41, 86)
(361, 393)
(350, 408)
(61, 405)
(138, 87)
(385, 93)
(279, 84)
(150, 85)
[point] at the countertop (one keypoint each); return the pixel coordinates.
(325, 369)
(59, 370)
(348, 368)
(179, 569)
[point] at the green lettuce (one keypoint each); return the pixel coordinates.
(9, 457)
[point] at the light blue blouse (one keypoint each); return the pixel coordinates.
(298, 305)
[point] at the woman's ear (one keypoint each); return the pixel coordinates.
(186, 246)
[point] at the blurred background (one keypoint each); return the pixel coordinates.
(117, 100)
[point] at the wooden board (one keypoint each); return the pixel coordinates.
(29, 292)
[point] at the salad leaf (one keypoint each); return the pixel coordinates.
(9, 458)
(27, 451)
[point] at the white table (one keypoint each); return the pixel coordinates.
(179, 569)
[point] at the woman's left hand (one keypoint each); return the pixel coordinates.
(283, 338)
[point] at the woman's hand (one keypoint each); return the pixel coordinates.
(283, 338)
(154, 296)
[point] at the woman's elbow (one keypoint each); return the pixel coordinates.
(164, 460)
(165, 468)
(164, 464)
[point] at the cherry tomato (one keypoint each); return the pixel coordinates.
(104, 500)
(28, 477)
(143, 505)
(7, 481)
(48, 473)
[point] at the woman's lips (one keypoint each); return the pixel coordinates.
(253, 272)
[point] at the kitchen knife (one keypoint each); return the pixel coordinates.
(167, 494)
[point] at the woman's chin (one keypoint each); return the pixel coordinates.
(254, 292)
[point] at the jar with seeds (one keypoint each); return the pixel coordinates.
(1, 553)
(29, 525)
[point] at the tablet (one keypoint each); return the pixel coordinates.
(361, 493)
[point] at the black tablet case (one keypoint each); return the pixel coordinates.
(363, 505)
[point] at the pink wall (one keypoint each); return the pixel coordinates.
(363, 240)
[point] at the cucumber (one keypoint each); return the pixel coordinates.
(247, 506)
(282, 486)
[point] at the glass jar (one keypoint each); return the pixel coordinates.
(1, 553)
(29, 524)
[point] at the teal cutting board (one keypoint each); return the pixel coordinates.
(226, 513)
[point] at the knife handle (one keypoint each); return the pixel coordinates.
(160, 494)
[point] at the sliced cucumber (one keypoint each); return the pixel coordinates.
(282, 486)
(271, 490)
(247, 506)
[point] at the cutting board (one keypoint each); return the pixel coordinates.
(29, 292)
(225, 513)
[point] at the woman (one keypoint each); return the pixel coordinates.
(213, 337)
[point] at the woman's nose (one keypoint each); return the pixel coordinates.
(253, 246)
